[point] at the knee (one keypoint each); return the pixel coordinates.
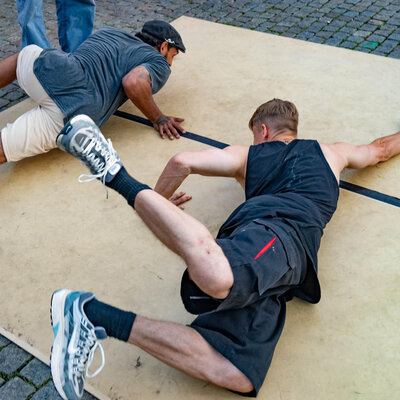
(212, 273)
(219, 288)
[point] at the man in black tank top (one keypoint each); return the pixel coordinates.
(264, 254)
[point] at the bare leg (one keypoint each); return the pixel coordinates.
(3, 158)
(187, 237)
(183, 348)
(8, 70)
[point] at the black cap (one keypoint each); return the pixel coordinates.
(164, 31)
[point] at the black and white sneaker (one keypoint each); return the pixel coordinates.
(82, 138)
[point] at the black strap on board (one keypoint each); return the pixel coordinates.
(372, 194)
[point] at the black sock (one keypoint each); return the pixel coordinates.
(117, 323)
(127, 186)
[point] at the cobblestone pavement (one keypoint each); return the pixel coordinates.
(362, 25)
(23, 377)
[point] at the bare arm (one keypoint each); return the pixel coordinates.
(137, 86)
(345, 155)
(229, 162)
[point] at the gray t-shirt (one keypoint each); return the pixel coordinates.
(88, 81)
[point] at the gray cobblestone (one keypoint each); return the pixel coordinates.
(362, 33)
(340, 35)
(47, 392)
(12, 357)
(1, 381)
(3, 341)
(16, 389)
(376, 38)
(395, 53)
(333, 41)
(362, 49)
(348, 45)
(395, 36)
(324, 34)
(388, 45)
(3, 103)
(316, 39)
(357, 39)
(36, 372)
(88, 396)
(378, 53)
(14, 95)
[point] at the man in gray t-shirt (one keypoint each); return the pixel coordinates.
(107, 68)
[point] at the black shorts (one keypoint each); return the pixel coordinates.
(246, 325)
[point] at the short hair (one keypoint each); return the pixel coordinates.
(277, 114)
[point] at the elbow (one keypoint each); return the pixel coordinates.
(381, 150)
(134, 86)
(126, 82)
(180, 162)
(129, 83)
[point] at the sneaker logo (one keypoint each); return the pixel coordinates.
(55, 329)
(114, 169)
(72, 349)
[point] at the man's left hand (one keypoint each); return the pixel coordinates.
(169, 126)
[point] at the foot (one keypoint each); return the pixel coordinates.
(82, 138)
(75, 341)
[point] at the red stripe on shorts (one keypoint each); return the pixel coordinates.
(265, 248)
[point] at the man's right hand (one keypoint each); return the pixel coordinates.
(169, 126)
(179, 198)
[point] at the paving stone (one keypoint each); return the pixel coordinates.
(357, 39)
(388, 45)
(379, 53)
(362, 49)
(305, 35)
(395, 53)
(376, 38)
(395, 36)
(376, 22)
(340, 35)
(362, 33)
(316, 39)
(369, 27)
(16, 389)
(36, 372)
(88, 396)
(12, 357)
(348, 45)
(14, 95)
(3, 341)
(47, 392)
(1, 381)
(324, 34)
(333, 41)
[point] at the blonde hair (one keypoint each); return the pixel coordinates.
(278, 115)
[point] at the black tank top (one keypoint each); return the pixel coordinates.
(289, 188)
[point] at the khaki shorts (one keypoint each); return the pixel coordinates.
(35, 131)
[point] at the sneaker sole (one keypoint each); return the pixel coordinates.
(57, 318)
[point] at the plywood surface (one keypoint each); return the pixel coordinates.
(58, 233)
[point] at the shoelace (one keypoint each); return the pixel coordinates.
(90, 359)
(109, 163)
(88, 354)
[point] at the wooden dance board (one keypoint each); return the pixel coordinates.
(58, 233)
